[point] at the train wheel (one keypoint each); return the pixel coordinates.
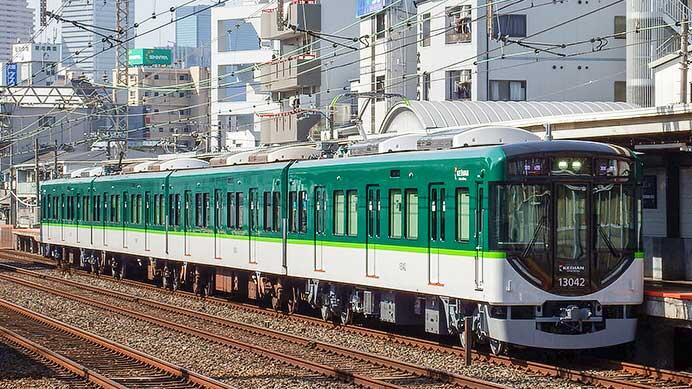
(292, 307)
(462, 339)
(326, 313)
(346, 316)
(276, 303)
(497, 347)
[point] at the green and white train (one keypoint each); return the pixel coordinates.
(539, 242)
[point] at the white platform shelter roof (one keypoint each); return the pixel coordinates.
(423, 116)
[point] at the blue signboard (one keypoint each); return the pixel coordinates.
(366, 7)
(11, 74)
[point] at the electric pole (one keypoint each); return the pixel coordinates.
(43, 9)
(683, 60)
(122, 18)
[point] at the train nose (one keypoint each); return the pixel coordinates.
(574, 313)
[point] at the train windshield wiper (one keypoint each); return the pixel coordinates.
(534, 238)
(611, 247)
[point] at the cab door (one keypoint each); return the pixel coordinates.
(436, 229)
(373, 227)
(479, 237)
(319, 227)
(253, 224)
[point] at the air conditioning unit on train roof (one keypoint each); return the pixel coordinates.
(389, 144)
(177, 164)
(475, 136)
(285, 153)
(236, 157)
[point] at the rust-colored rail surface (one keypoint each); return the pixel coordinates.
(98, 360)
(609, 374)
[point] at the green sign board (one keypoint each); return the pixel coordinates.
(148, 57)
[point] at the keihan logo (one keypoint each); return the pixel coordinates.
(570, 268)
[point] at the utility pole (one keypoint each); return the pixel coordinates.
(55, 161)
(37, 173)
(122, 25)
(684, 35)
(43, 9)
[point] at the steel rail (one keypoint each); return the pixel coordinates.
(438, 375)
(87, 337)
(536, 367)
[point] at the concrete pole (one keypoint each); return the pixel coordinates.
(683, 60)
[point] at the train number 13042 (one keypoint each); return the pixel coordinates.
(572, 282)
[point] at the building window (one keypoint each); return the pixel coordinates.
(505, 90)
(156, 76)
(458, 24)
(620, 27)
(620, 91)
(425, 86)
(379, 87)
(458, 84)
(380, 25)
(425, 30)
(509, 25)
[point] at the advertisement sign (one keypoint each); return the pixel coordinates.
(11, 74)
(149, 57)
(366, 7)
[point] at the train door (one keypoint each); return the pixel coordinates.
(187, 221)
(77, 216)
(572, 242)
(217, 223)
(319, 222)
(147, 215)
(373, 225)
(479, 235)
(253, 221)
(436, 229)
(127, 216)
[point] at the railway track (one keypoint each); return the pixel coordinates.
(602, 373)
(334, 361)
(95, 359)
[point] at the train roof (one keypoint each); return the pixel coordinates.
(558, 146)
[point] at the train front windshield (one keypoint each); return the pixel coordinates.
(568, 225)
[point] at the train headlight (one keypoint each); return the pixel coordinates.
(562, 165)
(576, 166)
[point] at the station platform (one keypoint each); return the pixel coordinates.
(668, 299)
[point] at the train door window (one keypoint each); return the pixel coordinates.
(320, 210)
(198, 209)
(96, 211)
(105, 205)
(462, 214)
(162, 210)
(62, 207)
(443, 213)
(86, 208)
(218, 202)
(411, 216)
(139, 209)
(276, 211)
(171, 209)
(339, 212)
(303, 211)
(352, 215)
(230, 210)
(156, 209)
(176, 209)
(239, 217)
(395, 212)
(206, 210)
(253, 217)
(292, 211)
(267, 197)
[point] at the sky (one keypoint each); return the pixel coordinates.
(143, 9)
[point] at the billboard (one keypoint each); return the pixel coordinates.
(366, 7)
(149, 57)
(11, 74)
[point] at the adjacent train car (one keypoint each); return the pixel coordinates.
(538, 242)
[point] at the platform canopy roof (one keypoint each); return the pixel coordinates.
(425, 116)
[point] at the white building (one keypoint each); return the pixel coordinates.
(16, 25)
(388, 64)
(463, 57)
(80, 46)
(32, 64)
(235, 94)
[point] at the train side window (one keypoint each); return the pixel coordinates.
(267, 198)
(339, 212)
(395, 212)
(230, 210)
(462, 214)
(411, 216)
(303, 211)
(276, 211)
(292, 211)
(352, 215)
(239, 217)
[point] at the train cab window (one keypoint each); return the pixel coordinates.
(239, 217)
(276, 211)
(395, 212)
(339, 212)
(352, 215)
(462, 214)
(411, 216)
(303, 211)
(267, 198)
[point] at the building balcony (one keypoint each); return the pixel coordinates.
(293, 73)
(287, 127)
(26, 189)
(304, 16)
